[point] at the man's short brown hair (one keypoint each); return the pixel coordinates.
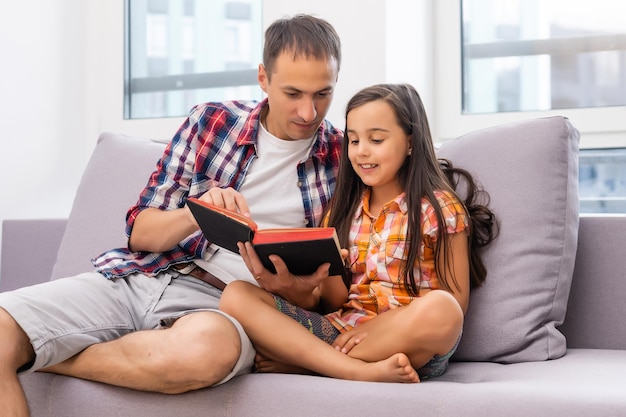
(303, 35)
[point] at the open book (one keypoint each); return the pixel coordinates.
(302, 249)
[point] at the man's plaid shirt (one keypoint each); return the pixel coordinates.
(214, 148)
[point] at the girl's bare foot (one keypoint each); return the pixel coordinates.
(396, 368)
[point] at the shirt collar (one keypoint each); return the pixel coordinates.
(249, 133)
(396, 204)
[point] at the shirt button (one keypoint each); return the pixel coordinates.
(305, 222)
(299, 184)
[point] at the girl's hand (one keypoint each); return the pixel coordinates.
(298, 290)
(346, 341)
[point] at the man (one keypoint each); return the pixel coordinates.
(148, 318)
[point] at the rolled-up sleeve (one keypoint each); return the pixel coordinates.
(169, 184)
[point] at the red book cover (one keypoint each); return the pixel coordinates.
(303, 249)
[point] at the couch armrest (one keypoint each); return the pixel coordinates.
(29, 251)
(596, 308)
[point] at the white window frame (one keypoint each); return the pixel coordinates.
(178, 82)
(105, 76)
(602, 127)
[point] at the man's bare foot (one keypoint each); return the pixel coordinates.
(266, 365)
(396, 368)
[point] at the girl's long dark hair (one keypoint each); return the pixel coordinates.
(421, 175)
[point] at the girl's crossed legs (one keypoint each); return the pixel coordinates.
(380, 350)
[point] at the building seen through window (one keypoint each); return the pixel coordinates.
(530, 55)
(183, 52)
(602, 180)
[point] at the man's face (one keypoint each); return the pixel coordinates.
(299, 93)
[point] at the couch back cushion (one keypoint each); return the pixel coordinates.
(530, 170)
(116, 173)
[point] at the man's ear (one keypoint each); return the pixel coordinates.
(262, 78)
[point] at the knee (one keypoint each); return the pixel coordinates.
(201, 354)
(15, 349)
(442, 317)
(447, 313)
(233, 296)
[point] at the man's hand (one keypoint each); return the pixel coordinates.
(298, 290)
(228, 198)
(158, 230)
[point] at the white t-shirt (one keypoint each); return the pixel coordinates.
(273, 195)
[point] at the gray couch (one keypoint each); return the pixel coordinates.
(545, 336)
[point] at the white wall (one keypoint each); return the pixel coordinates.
(42, 84)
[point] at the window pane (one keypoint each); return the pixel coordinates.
(183, 52)
(533, 55)
(602, 180)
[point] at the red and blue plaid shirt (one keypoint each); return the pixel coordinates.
(214, 148)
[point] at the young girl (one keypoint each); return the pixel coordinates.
(412, 249)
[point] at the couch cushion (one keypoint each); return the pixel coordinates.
(115, 175)
(530, 170)
(583, 383)
(596, 310)
(20, 239)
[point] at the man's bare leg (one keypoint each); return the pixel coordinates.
(199, 350)
(15, 351)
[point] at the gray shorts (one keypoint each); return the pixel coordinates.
(65, 316)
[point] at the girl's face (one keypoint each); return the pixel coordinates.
(377, 148)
